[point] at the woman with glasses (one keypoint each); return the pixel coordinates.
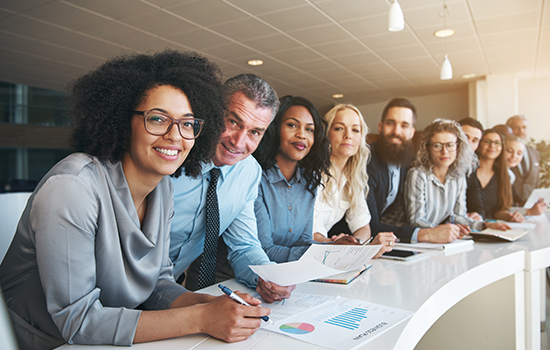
(435, 188)
(491, 181)
(89, 261)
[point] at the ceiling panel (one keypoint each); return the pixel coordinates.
(312, 47)
(295, 19)
(160, 23)
(65, 16)
(112, 9)
(23, 5)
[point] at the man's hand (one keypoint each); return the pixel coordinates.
(442, 233)
(387, 240)
(271, 292)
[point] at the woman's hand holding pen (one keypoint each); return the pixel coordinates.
(538, 208)
(225, 319)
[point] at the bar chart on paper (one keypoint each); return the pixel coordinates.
(340, 323)
(349, 319)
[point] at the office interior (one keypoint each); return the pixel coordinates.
(329, 51)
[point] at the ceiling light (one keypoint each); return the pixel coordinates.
(396, 22)
(446, 70)
(468, 76)
(255, 62)
(337, 96)
(443, 33)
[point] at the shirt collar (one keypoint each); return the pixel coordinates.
(274, 175)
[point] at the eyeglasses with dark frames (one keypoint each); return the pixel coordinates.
(491, 142)
(449, 146)
(160, 124)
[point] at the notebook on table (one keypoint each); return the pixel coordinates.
(498, 235)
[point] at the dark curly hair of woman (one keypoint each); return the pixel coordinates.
(316, 162)
(103, 100)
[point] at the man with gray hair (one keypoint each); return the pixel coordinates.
(219, 204)
(527, 172)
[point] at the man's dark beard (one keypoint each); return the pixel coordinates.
(391, 153)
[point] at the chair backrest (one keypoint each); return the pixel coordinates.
(7, 339)
(11, 208)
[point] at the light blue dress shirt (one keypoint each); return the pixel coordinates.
(284, 211)
(394, 173)
(237, 190)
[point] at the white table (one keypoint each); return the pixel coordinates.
(537, 257)
(458, 286)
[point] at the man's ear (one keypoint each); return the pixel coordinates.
(379, 127)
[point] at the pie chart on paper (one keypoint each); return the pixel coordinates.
(297, 328)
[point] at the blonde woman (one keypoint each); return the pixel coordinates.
(345, 190)
(435, 188)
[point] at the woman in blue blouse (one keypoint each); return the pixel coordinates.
(89, 262)
(294, 153)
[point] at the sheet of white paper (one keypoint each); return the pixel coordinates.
(438, 246)
(341, 323)
(298, 302)
(537, 193)
(320, 260)
(294, 272)
(342, 257)
(520, 225)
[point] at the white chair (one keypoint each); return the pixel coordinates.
(7, 339)
(11, 208)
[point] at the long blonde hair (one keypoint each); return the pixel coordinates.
(355, 170)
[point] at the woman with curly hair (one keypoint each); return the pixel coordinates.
(344, 192)
(294, 154)
(89, 261)
(435, 188)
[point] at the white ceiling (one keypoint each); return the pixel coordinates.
(312, 48)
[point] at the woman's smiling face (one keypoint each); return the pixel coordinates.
(297, 133)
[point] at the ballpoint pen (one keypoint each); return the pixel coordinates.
(368, 241)
(240, 300)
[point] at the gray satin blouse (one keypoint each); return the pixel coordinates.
(80, 267)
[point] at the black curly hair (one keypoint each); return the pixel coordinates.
(102, 102)
(316, 162)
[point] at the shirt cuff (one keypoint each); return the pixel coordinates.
(414, 237)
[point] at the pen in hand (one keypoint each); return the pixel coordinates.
(368, 240)
(240, 300)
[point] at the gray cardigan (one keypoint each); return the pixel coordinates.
(80, 265)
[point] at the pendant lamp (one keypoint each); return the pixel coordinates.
(446, 72)
(396, 22)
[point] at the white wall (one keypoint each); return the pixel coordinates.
(449, 105)
(534, 103)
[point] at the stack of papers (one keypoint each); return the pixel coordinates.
(319, 261)
(437, 246)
